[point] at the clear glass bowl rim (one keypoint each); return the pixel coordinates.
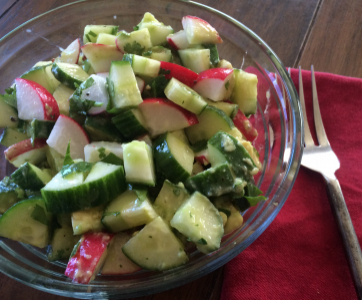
(60, 288)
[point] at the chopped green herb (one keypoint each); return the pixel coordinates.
(135, 28)
(39, 215)
(147, 53)
(88, 38)
(79, 167)
(102, 153)
(201, 242)
(67, 159)
(227, 85)
(112, 159)
(92, 33)
(10, 97)
(176, 192)
(135, 48)
(164, 71)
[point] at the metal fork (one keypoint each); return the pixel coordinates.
(322, 159)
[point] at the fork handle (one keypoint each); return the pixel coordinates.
(348, 234)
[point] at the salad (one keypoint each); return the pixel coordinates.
(130, 150)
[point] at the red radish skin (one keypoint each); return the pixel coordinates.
(65, 130)
(190, 22)
(84, 265)
(202, 157)
(242, 123)
(23, 147)
(162, 115)
(178, 40)
(181, 73)
(172, 44)
(215, 84)
(35, 102)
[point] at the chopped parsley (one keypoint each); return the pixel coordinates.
(227, 85)
(92, 33)
(201, 242)
(135, 48)
(102, 153)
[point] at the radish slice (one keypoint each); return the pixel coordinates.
(242, 123)
(178, 40)
(140, 83)
(96, 92)
(203, 157)
(35, 102)
(198, 31)
(162, 115)
(71, 54)
(25, 151)
(66, 129)
(89, 257)
(216, 84)
(103, 74)
(181, 73)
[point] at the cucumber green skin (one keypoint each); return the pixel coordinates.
(87, 195)
(214, 54)
(102, 129)
(38, 75)
(212, 182)
(26, 178)
(8, 195)
(8, 114)
(165, 162)
(235, 158)
(62, 244)
(64, 78)
(12, 136)
(128, 124)
(40, 129)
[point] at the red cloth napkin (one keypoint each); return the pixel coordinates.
(300, 255)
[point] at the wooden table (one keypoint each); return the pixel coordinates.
(326, 33)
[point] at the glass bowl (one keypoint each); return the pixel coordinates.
(278, 122)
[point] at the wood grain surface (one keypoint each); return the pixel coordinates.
(326, 33)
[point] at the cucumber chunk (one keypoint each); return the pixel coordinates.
(106, 39)
(48, 71)
(102, 129)
(12, 136)
(211, 120)
(69, 74)
(28, 222)
(122, 86)
(155, 247)
(230, 109)
(54, 159)
(10, 193)
(142, 66)
(73, 193)
(130, 123)
(30, 177)
(169, 200)
(135, 42)
(127, 211)
(62, 244)
(184, 96)
(200, 221)
(87, 220)
(40, 129)
(215, 181)
(38, 75)
(62, 95)
(159, 53)
(91, 32)
(223, 148)
(173, 157)
(8, 115)
(197, 60)
(98, 151)
(245, 91)
(138, 163)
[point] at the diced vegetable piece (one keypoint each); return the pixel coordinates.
(87, 220)
(230, 109)
(159, 53)
(8, 115)
(203, 157)
(178, 40)
(184, 96)
(26, 151)
(34, 101)
(62, 244)
(39, 129)
(122, 86)
(138, 163)
(101, 56)
(62, 95)
(10, 193)
(116, 262)
(225, 148)
(173, 158)
(135, 42)
(169, 200)
(91, 32)
(38, 75)
(200, 221)
(71, 54)
(90, 254)
(65, 130)
(102, 129)
(140, 83)
(155, 247)
(211, 120)
(245, 126)
(199, 31)
(28, 222)
(128, 211)
(214, 54)
(106, 39)
(130, 123)
(245, 91)
(30, 177)
(197, 168)
(143, 66)
(162, 115)
(73, 193)
(69, 74)
(184, 75)
(54, 159)
(224, 64)
(98, 151)
(157, 30)
(215, 84)
(11, 136)
(197, 60)
(54, 83)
